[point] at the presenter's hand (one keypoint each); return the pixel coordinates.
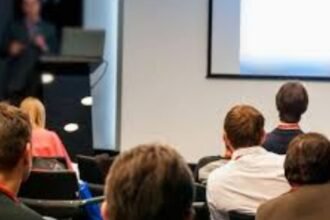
(40, 42)
(16, 48)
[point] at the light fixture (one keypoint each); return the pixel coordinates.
(71, 127)
(87, 101)
(47, 78)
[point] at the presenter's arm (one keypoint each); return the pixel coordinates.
(51, 40)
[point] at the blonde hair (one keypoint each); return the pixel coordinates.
(34, 108)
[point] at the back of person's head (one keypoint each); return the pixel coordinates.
(308, 160)
(291, 102)
(15, 135)
(150, 182)
(244, 127)
(34, 108)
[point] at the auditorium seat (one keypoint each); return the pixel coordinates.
(89, 171)
(50, 185)
(55, 194)
(201, 211)
(203, 162)
(49, 163)
(239, 216)
(93, 171)
(200, 193)
(192, 167)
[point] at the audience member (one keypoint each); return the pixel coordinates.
(27, 39)
(253, 175)
(150, 182)
(15, 162)
(45, 143)
(291, 102)
(307, 168)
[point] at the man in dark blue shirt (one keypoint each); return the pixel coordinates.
(291, 103)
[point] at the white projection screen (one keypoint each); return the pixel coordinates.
(269, 39)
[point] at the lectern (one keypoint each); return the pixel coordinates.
(62, 99)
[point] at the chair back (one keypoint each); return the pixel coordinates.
(50, 163)
(200, 193)
(192, 167)
(89, 170)
(239, 216)
(50, 185)
(203, 162)
(201, 211)
(111, 153)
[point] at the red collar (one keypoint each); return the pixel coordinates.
(8, 193)
(287, 126)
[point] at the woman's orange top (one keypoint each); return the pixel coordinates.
(47, 143)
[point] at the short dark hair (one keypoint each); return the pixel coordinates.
(308, 160)
(149, 182)
(244, 126)
(291, 102)
(15, 134)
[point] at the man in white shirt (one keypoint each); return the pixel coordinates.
(253, 175)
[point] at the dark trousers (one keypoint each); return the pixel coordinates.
(22, 77)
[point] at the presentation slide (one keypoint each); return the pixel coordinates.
(275, 38)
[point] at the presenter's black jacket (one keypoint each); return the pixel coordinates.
(21, 76)
(13, 210)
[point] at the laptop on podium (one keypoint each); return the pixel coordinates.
(79, 45)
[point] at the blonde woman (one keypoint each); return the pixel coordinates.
(45, 143)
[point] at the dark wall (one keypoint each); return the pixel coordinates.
(6, 14)
(59, 12)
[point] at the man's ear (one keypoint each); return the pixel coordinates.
(26, 162)
(263, 137)
(228, 145)
(104, 211)
(28, 155)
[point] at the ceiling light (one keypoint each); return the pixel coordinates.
(47, 78)
(71, 127)
(87, 101)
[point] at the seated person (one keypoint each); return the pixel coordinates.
(149, 182)
(291, 102)
(15, 162)
(307, 168)
(253, 175)
(45, 143)
(27, 39)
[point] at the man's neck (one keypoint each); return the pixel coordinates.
(10, 181)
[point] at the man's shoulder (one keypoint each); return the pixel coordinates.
(17, 211)
(275, 158)
(221, 173)
(272, 206)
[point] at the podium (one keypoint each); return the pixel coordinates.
(62, 99)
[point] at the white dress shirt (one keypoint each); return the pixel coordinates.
(252, 177)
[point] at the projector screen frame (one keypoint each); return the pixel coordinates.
(213, 75)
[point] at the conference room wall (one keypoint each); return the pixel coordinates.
(165, 95)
